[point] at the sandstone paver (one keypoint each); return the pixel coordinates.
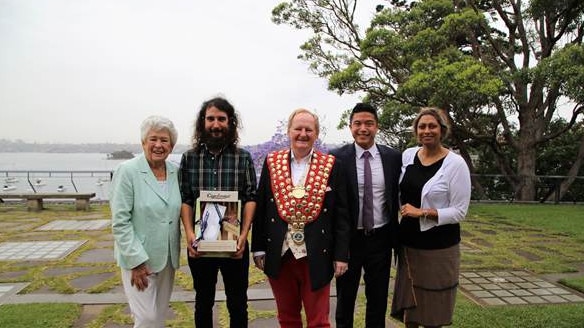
(38, 250)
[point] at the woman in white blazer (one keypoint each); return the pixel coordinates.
(435, 191)
(145, 204)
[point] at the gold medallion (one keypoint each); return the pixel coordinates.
(298, 192)
(302, 203)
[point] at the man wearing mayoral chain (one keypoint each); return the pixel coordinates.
(301, 227)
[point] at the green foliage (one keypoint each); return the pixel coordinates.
(344, 79)
(500, 70)
(557, 157)
(452, 80)
(565, 68)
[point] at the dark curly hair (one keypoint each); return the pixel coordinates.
(232, 137)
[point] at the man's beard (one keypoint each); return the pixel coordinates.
(214, 143)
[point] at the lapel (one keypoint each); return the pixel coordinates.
(150, 179)
(351, 165)
(385, 162)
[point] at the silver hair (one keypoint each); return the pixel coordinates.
(158, 123)
(304, 110)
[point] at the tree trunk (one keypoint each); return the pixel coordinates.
(525, 189)
(526, 155)
(565, 185)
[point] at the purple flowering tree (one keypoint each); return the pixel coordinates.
(278, 141)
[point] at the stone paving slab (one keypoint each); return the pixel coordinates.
(75, 225)
(97, 255)
(38, 250)
(515, 288)
(497, 291)
(8, 290)
(91, 311)
(254, 294)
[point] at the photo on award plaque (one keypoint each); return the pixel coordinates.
(217, 223)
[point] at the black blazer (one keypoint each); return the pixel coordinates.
(391, 160)
(327, 238)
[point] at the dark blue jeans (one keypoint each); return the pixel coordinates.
(235, 279)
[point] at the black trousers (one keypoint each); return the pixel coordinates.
(370, 253)
(235, 275)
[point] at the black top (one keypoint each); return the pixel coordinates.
(438, 237)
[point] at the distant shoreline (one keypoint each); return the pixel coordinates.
(8, 146)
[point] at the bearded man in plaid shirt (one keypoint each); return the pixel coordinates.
(216, 163)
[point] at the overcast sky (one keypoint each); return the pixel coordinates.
(88, 71)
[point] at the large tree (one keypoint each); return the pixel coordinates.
(501, 70)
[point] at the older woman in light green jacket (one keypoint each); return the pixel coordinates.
(145, 204)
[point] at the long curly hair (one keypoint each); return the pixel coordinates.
(232, 136)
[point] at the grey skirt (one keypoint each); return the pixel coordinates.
(425, 285)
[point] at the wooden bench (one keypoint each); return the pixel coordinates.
(34, 201)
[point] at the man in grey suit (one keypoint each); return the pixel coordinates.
(373, 173)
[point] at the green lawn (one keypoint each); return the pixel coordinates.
(566, 219)
(468, 314)
(552, 235)
(38, 315)
(540, 238)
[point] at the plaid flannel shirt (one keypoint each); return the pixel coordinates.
(230, 170)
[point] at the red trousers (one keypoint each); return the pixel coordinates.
(292, 290)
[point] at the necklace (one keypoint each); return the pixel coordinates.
(298, 188)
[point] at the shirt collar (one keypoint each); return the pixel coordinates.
(301, 160)
(372, 150)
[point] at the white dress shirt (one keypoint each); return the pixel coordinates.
(378, 181)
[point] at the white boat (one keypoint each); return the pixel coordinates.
(11, 180)
(8, 188)
(61, 188)
(39, 183)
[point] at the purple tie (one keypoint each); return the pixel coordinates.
(367, 193)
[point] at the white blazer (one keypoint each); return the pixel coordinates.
(448, 191)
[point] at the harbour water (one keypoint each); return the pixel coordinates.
(47, 172)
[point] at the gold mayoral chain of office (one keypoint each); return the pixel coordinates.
(302, 203)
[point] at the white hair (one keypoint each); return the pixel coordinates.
(158, 123)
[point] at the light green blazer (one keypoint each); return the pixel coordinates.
(145, 219)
